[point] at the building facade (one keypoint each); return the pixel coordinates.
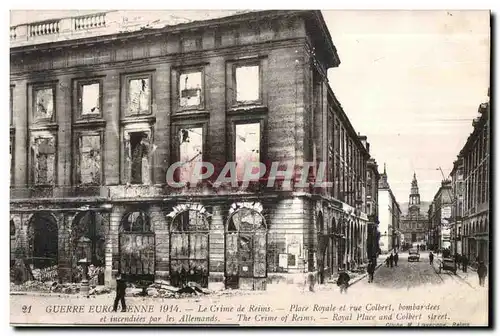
(110, 122)
(440, 215)
(476, 206)
(457, 207)
(389, 213)
(414, 221)
(372, 181)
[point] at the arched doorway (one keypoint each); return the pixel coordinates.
(43, 243)
(189, 248)
(246, 248)
(137, 247)
(88, 239)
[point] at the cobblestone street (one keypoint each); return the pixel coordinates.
(407, 284)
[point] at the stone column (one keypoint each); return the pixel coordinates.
(216, 241)
(64, 141)
(112, 253)
(162, 111)
(66, 248)
(160, 227)
(111, 113)
(20, 145)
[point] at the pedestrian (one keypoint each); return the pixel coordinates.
(343, 281)
(311, 280)
(391, 260)
(371, 270)
(431, 257)
(482, 271)
(396, 258)
(458, 259)
(121, 286)
(465, 263)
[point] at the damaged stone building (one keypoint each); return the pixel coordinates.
(102, 106)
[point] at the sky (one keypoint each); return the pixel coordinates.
(411, 81)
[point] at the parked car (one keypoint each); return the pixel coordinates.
(413, 255)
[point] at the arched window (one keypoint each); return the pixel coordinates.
(189, 248)
(137, 221)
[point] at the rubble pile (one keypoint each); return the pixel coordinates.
(99, 290)
(55, 287)
(45, 274)
(31, 286)
(162, 289)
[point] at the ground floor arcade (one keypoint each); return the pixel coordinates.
(241, 243)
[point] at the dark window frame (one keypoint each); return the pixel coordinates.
(35, 89)
(78, 93)
(77, 157)
(231, 89)
(126, 166)
(45, 135)
(125, 99)
(175, 144)
(252, 119)
(176, 84)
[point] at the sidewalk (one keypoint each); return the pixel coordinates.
(470, 276)
(357, 277)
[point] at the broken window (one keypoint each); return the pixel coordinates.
(247, 147)
(138, 153)
(90, 159)
(190, 153)
(137, 221)
(190, 89)
(247, 83)
(139, 96)
(90, 99)
(44, 103)
(44, 160)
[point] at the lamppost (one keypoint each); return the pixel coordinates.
(85, 245)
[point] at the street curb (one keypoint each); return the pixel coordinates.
(365, 275)
(44, 294)
(458, 276)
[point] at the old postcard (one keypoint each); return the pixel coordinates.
(250, 168)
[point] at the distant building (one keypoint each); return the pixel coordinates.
(414, 220)
(457, 208)
(440, 218)
(372, 181)
(389, 214)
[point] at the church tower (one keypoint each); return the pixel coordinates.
(414, 201)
